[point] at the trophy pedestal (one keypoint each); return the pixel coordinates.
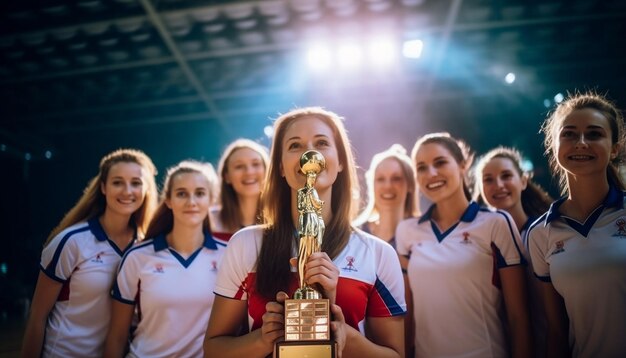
(307, 330)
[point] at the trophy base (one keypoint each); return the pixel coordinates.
(312, 349)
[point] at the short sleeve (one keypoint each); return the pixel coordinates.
(387, 298)
(237, 263)
(126, 284)
(506, 241)
(60, 257)
(537, 248)
(403, 237)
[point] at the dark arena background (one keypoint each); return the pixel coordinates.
(181, 79)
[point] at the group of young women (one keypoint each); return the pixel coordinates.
(506, 272)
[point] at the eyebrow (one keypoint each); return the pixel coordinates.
(591, 126)
(315, 136)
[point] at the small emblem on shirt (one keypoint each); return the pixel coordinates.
(560, 247)
(213, 265)
(98, 257)
(158, 268)
(466, 240)
(350, 265)
(621, 228)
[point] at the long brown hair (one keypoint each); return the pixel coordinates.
(459, 150)
(579, 101)
(163, 220)
(397, 153)
(229, 214)
(273, 269)
(93, 203)
(535, 200)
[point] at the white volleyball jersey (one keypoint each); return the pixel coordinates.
(84, 260)
(586, 263)
(173, 295)
(370, 279)
(457, 306)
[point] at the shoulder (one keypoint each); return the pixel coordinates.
(247, 240)
(214, 218)
(377, 245)
(74, 232)
(538, 227)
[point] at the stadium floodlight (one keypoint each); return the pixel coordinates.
(412, 48)
(318, 57)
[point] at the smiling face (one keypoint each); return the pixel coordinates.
(306, 133)
(439, 175)
(390, 185)
(189, 198)
(502, 184)
(583, 144)
(124, 188)
(245, 171)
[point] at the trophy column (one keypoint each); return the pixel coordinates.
(307, 315)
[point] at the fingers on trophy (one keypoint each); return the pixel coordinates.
(307, 316)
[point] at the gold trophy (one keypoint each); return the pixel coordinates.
(307, 315)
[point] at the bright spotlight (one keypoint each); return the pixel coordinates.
(412, 48)
(382, 52)
(318, 57)
(509, 78)
(547, 103)
(48, 154)
(558, 98)
(269, 131)
(349, 55)
(28, 156)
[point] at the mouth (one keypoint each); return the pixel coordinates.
(388, 196)
(501, 195)
(580, 157)
(435, 185)
(250, 182)
(126, 201)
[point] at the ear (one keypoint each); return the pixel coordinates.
(282, 170)
(340, 168)
(615, 151)
(227, 178)
(102, 189)
(167, 203)
(524, 180)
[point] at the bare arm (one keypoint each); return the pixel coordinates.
(117, 337)
(409, 322)
(45, 296)
(557, 344)
(384, 337)
(226, 316)
(515, 292)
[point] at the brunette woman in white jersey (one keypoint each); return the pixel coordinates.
(358, 273)
(70, 310)
(450, 250)
(241, 171)
(578, 248)
(169, 277)
(502, 184)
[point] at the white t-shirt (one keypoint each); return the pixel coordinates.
(173, 295)
(586, 264)
(370, 279)
(457, 306)
(85, 261)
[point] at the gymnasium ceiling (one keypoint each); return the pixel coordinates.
(83, 66)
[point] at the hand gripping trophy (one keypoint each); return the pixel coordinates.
(307, 315)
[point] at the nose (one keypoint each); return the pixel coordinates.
(499, 183)
(128, 188)
(581, 142)
(432, 171)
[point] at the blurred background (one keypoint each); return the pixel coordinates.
(181, 79)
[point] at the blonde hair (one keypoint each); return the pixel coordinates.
(93, 202)
(398, 153)
(163, 219)
(591, 100)
(229, 214)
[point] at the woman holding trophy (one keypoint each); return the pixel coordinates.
(358, 274)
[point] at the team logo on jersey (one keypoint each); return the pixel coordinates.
(560, 247)
(158, 268)
(213, 265)
(621, 228)
(466, 240)
(98, 258)
(350, 265)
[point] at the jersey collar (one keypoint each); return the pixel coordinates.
(614, 199)
(468, 215)
(160, 243)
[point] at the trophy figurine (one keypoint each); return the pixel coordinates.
(307, 315)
